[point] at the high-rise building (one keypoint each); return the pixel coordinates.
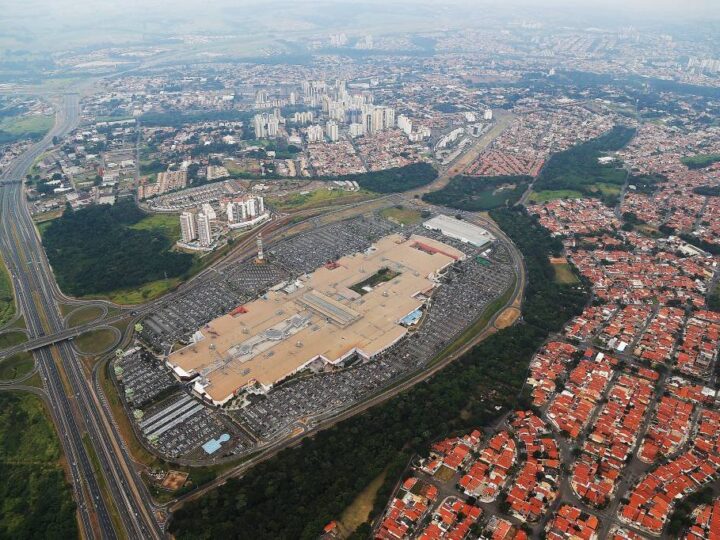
(261, 98)
(378, 120)
(488, 114)
(273, 126)
(259, 126)
(188, 231)
(332, 131)
(356, 130)
(204, 231)
(388, 117)
(405, 124)
(314, 133)
(245, 209)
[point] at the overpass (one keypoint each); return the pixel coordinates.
(58, 337)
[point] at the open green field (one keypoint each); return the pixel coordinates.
(167, 224)
(564, 274)
(10, 339)
(35, 499)
(318, 199)
(138, 295)
(7, 298)
(16, 366)
(84, 315)
(15, 128)
(553, 194)
(607, 189)
(477, 194)
(404, 216)
(95, 341)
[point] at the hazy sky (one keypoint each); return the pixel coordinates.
(63, 24)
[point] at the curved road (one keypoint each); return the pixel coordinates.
(112, 500)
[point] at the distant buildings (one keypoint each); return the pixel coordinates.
(405, 124)
(166, 181)
(267, 125)
(315, 134)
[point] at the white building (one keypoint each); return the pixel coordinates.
(315, 133)
(332, 131)
(204, 230)
(357, 130)
(188, 230)
(460, 230)
(246, 212)
(405, 124)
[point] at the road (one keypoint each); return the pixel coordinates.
(112, 500)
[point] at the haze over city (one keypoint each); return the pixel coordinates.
(381, 270)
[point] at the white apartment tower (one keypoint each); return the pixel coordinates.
(405, 124)
(315, 133)
(332, 131)
(188, 230)
(204, 230)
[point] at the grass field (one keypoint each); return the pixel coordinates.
(22, 127)
(405, 216)
(35, 499)
(359, 510)
(607, 189)
(138, 295)
(16, 366)
(84, 315)
(95, 341)
(319, 198)
(19, 323)
(564, 274)
(551, 195)
(7, 299)
(10, 339)
(168, 224)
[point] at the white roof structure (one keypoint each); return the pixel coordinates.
(460, 230)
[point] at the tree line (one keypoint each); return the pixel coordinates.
(395, 179)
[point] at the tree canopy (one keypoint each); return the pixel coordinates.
(94, 250)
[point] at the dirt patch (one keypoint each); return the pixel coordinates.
(174, 480)
(357, 513)
(507, 318)
(444, 474)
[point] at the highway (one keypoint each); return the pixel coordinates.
(112, 500)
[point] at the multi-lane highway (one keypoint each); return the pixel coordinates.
(112, 500)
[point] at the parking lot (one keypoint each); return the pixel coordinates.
(466, 289)
(144, 378)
